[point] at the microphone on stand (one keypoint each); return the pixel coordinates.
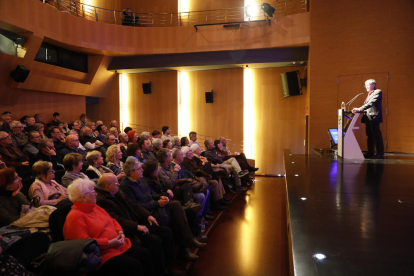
(352, 100)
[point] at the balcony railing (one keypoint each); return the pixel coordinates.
(282, 8)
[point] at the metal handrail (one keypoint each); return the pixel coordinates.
(189, 18)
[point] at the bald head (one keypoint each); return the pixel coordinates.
(108, 182)
(72, 141)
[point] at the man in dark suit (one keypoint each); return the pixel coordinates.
(372, 119)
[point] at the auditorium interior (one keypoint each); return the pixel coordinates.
(215, 67)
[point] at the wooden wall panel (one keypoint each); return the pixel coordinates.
(196, 5)
(108, 107)
(346, 41)
(224, 117)
(156, 109)
(280, 122)
(105, 4)
(31, 102)
(154, 6)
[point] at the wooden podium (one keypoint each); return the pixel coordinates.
(348, 146)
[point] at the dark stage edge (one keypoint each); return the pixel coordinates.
(359, 213)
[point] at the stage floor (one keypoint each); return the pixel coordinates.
(359, 213)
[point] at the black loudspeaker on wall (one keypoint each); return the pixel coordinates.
(146, 87)
(290, 83)
(209, 97)
(20, 73)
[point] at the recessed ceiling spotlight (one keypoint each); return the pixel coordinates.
(296, 175)
(293, 162)
(303, 198)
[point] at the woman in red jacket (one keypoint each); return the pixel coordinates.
(87, 220)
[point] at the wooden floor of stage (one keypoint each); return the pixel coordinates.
(250, 238)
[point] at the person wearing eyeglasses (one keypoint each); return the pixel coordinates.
(87, 220)
(19, 138)
(12, 155)
(47, 152)
(45, 188)
(32, 146)
(71, 146)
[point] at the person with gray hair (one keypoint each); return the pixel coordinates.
(31, 147)
(88, 220)
(176, 142)
(156, 144)
(145, 135)
(12, 155)
(372, 120)
(40, 128)
(96, 168)
(193, 138)
(19, 138)
(87, 140)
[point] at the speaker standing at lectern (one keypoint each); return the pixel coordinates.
(372, 119)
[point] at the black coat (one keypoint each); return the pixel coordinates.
(127, 213)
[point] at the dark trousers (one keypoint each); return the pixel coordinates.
(241, 159)
(374, 138)
(135, 261)
(160, 243)
(177, 220)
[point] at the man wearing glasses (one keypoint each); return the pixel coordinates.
(19, 138)
(31, 147)
(12, 156)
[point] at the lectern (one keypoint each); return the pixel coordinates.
(348, 146)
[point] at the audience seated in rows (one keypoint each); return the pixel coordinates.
(88, 220)
(175, 186)
(169, 213)
(137, 223)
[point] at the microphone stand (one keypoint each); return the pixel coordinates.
(353, 99)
